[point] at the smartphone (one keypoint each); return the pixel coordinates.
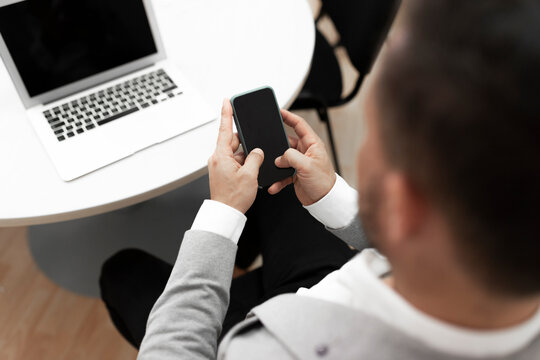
(259, 124)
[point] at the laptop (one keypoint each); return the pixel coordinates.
(94, 79)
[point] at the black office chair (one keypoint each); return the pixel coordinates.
(362, 26)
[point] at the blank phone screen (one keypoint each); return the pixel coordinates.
(259, 122)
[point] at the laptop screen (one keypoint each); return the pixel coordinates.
(58, 42)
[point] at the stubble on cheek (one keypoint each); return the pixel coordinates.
(369, 201)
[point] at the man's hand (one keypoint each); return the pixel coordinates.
(315, 175)
(233, 178)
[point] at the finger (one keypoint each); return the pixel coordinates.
(282, 162)
(280, 185)
(293, 142)
(240, 158)
(225, 128)
(235, 142)
(300, 126)
(253, 162)
(293, 158)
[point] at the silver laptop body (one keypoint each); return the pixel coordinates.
(94, 79)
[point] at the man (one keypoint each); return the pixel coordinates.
(448, 191)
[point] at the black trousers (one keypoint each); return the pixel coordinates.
(297, 252)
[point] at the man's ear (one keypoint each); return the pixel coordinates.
(404, 208)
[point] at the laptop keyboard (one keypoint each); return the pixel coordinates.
(88, 112)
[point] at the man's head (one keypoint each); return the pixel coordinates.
(450, 169)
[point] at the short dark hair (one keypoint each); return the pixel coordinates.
(459, 106)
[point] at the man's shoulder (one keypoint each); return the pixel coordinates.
(300, 327)
(309, 328)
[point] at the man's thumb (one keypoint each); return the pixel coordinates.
(295, 158)
(254, 161)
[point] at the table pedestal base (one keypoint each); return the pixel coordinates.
(71, 253)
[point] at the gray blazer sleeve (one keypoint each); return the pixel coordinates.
(186, 320)
(353, 234)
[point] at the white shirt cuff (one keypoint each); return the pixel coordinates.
(220, 219)
(338, 208)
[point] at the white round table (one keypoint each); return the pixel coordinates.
(224, 47)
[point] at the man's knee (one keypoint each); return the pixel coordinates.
(117, 267)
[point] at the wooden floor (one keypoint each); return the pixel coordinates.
(39, 320)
